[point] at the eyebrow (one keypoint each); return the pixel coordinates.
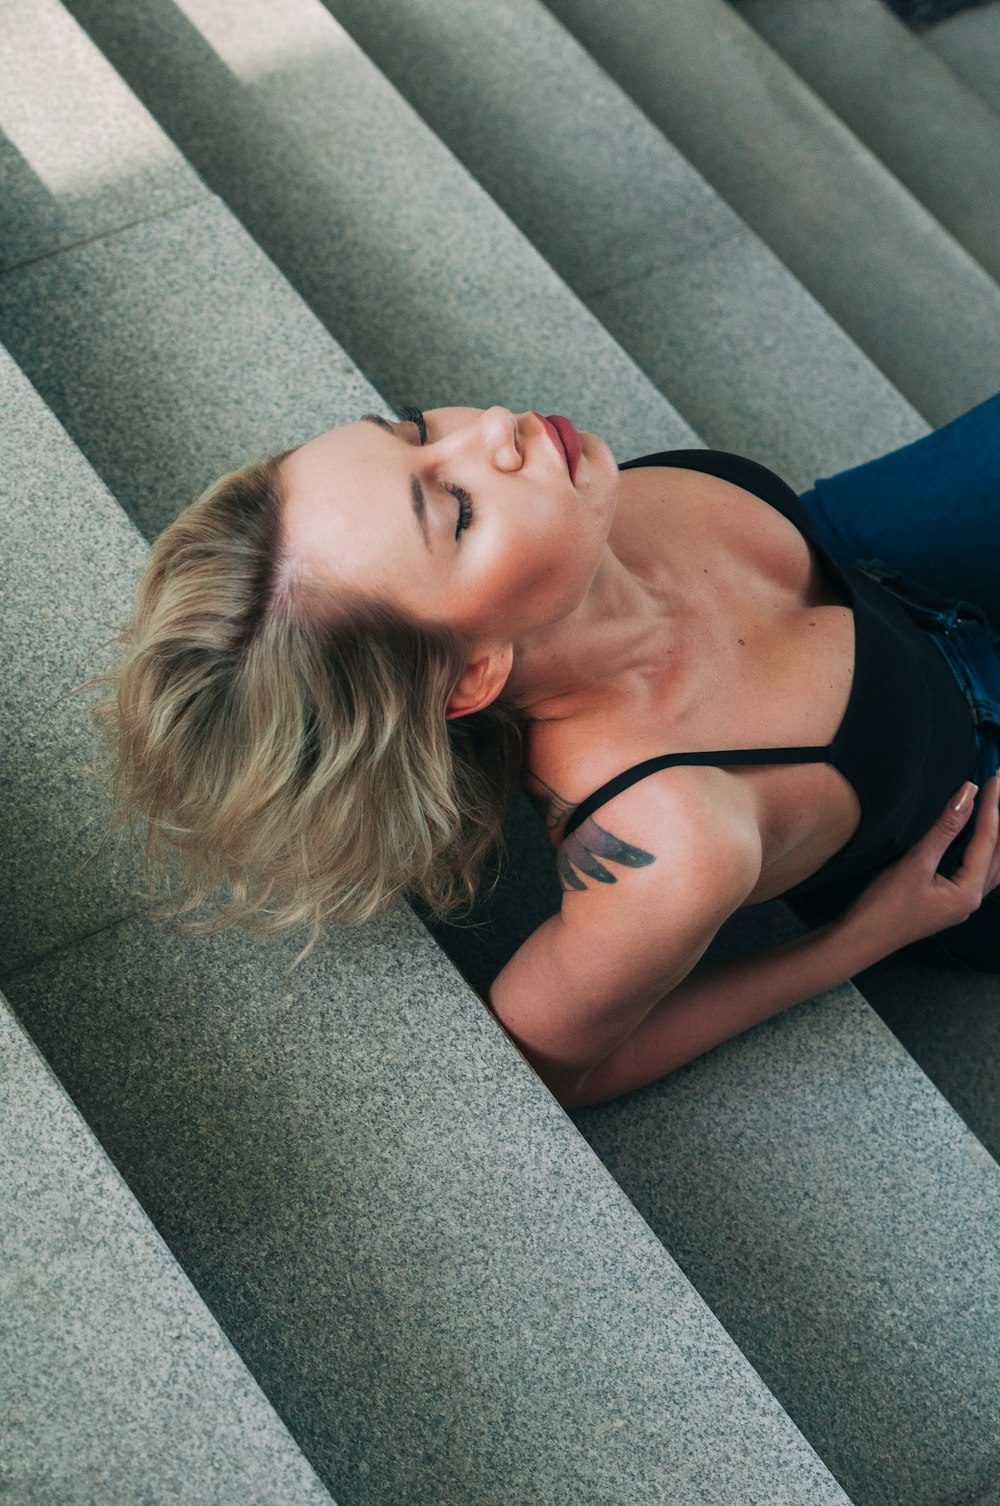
(416, 490)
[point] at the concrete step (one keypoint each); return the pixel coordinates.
(351, 1162)
(970, 45)
(343, 187)
(117, 1385)
(59, 188)
(898, 283)
(200, 122)
(433, 1279)
(156, 330)
(949, 1022)
(719, 325)
(261, 1170)
(937, 136)
(717, 322)
(806, 1198)
(782, 1169)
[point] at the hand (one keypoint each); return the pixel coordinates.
(911, 900)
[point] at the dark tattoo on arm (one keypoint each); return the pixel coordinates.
(579, 855)
(581, 850)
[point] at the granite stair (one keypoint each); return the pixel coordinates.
(773, 1275)
(924, 310)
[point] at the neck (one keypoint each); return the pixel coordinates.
(568, 668)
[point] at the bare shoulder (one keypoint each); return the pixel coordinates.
(694, 826)
(648, 880)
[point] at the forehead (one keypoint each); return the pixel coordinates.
(345, 500)
(342, 468)
(326, 456)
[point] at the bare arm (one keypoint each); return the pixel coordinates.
(718, 1000)
(721, 999)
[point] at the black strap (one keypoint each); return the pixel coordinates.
(667, 760)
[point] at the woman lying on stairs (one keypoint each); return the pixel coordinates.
(345, 658)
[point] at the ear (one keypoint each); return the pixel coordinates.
(481, 681)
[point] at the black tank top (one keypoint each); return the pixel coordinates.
(906, 741)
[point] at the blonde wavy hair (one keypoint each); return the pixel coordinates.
(297, 760)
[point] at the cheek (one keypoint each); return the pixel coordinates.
(534, 575)
(548, 582)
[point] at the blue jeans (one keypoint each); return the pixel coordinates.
(925, 520)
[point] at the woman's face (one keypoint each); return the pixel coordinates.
(481, 527)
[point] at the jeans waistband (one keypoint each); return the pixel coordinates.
(966, 653)
(963, 634)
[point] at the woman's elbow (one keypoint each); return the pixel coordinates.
(562, 1065)
(566, 1084)
(583, 1089)
(569, 1085)
(569, 1095)
(611, 1077)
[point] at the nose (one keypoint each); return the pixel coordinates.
(495, 431)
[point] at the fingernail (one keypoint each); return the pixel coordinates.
(965, 796)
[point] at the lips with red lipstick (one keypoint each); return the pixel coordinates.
(565, 438)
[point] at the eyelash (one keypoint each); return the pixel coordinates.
(465, 514)
(414, 416)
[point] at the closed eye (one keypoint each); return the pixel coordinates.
(414, 416)
(465, 512)
(464, 507)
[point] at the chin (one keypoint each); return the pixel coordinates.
(603, 481)
(598, 443)
(598, 453)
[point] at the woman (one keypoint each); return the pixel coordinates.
(343, 659)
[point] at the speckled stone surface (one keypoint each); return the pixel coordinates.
(428, 286)
(172, 351)
(117, 1386)
(69, 563)
(970, 44)
(436, 1283)
(949, 1022)
(721, 326)
(441, 1290)
(937, 136)
(841, 1221)
(878, 262)
(741, 294)
(399, 1384)
(78, 154)
(400, 1230)
(920, 13)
